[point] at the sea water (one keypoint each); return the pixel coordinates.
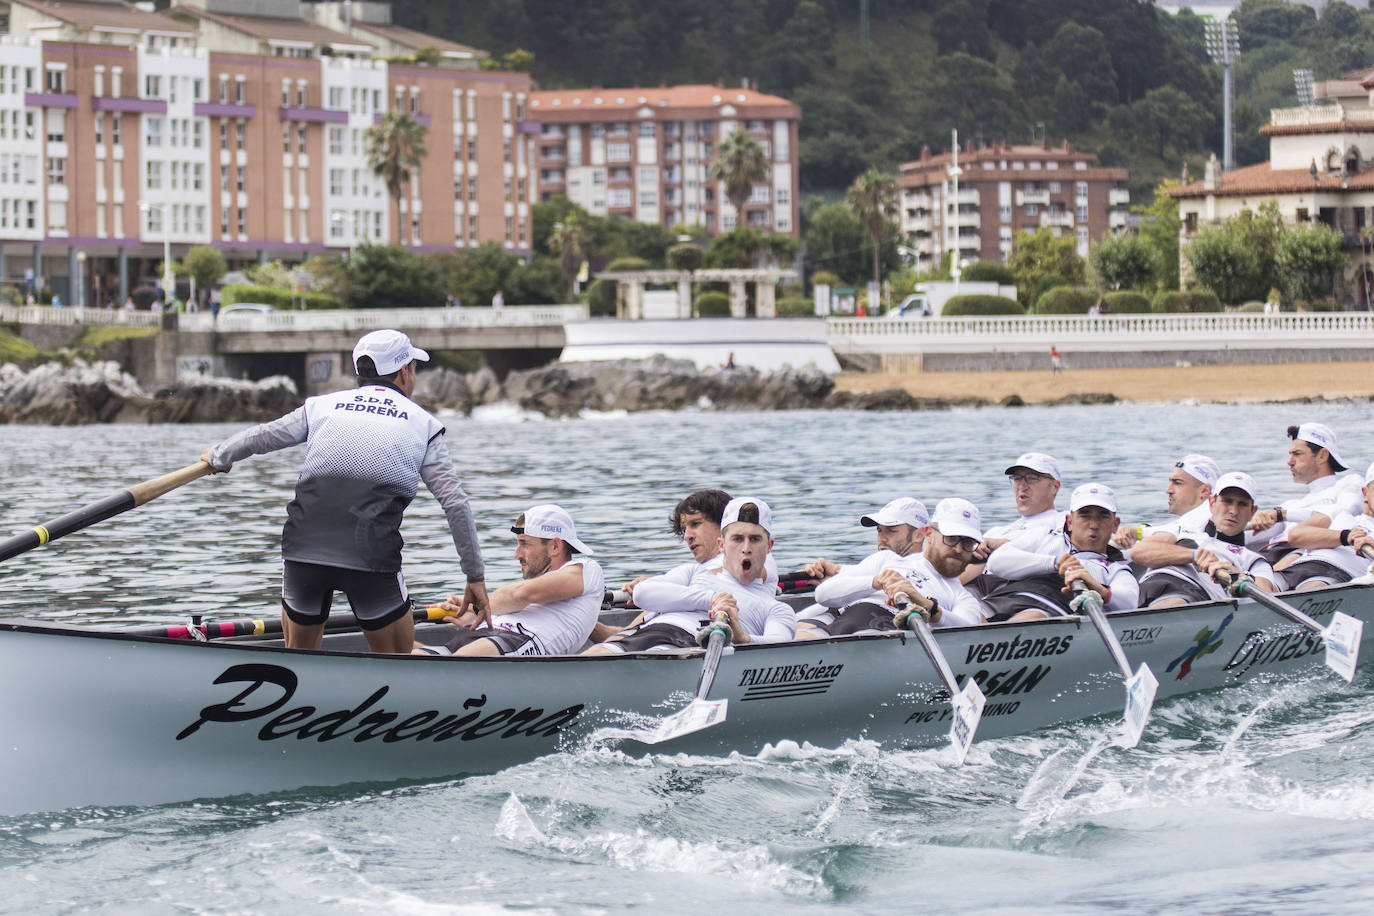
(1255, 799)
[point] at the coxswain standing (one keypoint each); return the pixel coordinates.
(366, 449)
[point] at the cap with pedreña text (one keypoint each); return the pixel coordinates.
(1036, 461)
(901, 511)
(1200, 468)
(550, 521)
(1320, 435)
(958, 518)
(389, 350)
(1237, 480)
(1093, 494)
(733, 507)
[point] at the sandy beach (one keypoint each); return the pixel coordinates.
(1247, 383)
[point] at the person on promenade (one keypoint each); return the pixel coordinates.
(1039, 569)
(928, 576)
(1056, 361)
(1181, 560)
(553, 607)
(498, 301)
(366, 449)
(1188, 493)
(1329, 545)
(679, 604)
(1313, 459)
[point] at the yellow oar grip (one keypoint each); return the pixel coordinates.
(42, 533)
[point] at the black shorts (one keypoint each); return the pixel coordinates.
(377, 599)
(863, 615)
(1157, 587)
(1300, 572)
(508, 642)
(652, 636)
(1043, 593)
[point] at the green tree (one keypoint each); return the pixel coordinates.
(739, 163)
(835, 242)
(1222, 263)
(395, 146)
(205, 265)
(1159, 228)
(1124, 261)
(566, 242)
(873, 200)
(389, 276)
(1261, 231)
(1040, 261)
(1309, 258)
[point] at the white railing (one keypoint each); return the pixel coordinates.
(1023, 333)
(512, 316)
(1318, 114)
(43, 314)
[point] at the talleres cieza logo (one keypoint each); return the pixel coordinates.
(1204, 643)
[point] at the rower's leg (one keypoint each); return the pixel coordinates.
(479, 647)
(1028, 614)
(301, 636)
(396, 638)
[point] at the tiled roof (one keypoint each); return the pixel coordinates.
(1261, 179)
(95, 14)
(269, 27)
(630, 100)
(413, 39)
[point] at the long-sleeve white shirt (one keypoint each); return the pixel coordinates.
(682, 596)
(1038, 554)
(958, 607)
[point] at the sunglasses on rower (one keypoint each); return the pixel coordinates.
(1027, 477)
(954, 542)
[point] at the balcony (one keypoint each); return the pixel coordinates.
(1118, 197)
(1063, 219)
(1117, 219)
(917, 224)
(1024, 198)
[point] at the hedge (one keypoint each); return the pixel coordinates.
(1203, 300)
(1065, 300)
(988, 272)
(713, 304)
(1126, 302)
(275, 295)
(685, 257)
(601, 298)
(1193, 300)
(795, 306)
(981, 304)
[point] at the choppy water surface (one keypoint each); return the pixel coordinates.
(1253, 799)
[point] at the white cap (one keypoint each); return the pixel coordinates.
(1200, 468)
(1320, 435)
(550, 521)
(958, 518)
(1036, 461)
(1093, 494)
(731, 513)
(390, 350)
(1237, 480)
(901, 511)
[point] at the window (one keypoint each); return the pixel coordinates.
(619, 197)
(116, 132)
(300, 93)
(760, 194)
(198, 177)
(285, 92)
(1081, 212)
(152, 132)
(472, 148)
(243, 222)
(197, 89)
(618, 152)
(336, 141)
(99, 81)
(505, 150)
(57, 217)
(56, 79)
(783, 197)
(648, 198)
(239, 182)
(598, 131)
(57, 170)
(153, 175)
(336, 98)
(238, 133)
(300, 139)
(238, 90)
(152, 86)
(1054, 187)
(224, 99)
(472, 187)
(99, 128)
(57, 125)
(646, 129)
(198, 135)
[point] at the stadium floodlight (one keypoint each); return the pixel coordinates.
(1223, 46)
(1302, 82)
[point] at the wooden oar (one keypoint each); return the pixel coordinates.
(1342, 637)
(100, 510)
(701, 712)
(1141, 686)
(967, 703)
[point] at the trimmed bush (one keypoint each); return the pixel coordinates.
(713, 304)
(601, 299)
(795, 306)
(686, 257)
(981, 304)
(1126, 302)
(628, 264)
(1319, 305)
(1065, 300)
(1203, 300)
(1169, 301)
(988, 272)
(143, 296)
(1251, 308)
(273, 295)
(826, 278)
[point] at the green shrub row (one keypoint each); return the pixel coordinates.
(981, 304)
(1192, 300)
(1065, 300)
(1126, 302)
(275, 295)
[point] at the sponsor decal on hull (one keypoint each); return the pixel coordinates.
(1205, 643)
(994, 684)
(788, 680)
(269, 688)
(1140, 636)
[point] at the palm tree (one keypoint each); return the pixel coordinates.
(873, 199)
(395, 146)
(566, 241)
(740, 163)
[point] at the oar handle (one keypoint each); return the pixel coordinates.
(1091, 602)
(149, 490)
(715, 648)
(1367, 552)
(921, 627)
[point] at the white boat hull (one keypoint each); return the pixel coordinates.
(100, 718)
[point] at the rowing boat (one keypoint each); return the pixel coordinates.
(103, 717)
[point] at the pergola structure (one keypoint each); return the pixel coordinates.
(629, 296)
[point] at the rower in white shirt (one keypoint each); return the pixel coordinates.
(1188, 493)
(1313, 459)
(678, 605)
(1182, 562)
(1035, 483)
(1039, 569)
(929, 578)
(1329, 547)
(899, 526)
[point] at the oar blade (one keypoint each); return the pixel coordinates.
(1140, 698)
(968, 712)
(1342, 639)
(697, 715)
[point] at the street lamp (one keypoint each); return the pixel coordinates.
(168, 280)
(1223, 46)
(80, 280)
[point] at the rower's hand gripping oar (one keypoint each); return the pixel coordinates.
(967, 703)
(1141, 686)
(101, 509)
(700, 713)
(1342, 637)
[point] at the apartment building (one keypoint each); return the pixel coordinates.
(1004, 189)
(644, 154)
(240, 124)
